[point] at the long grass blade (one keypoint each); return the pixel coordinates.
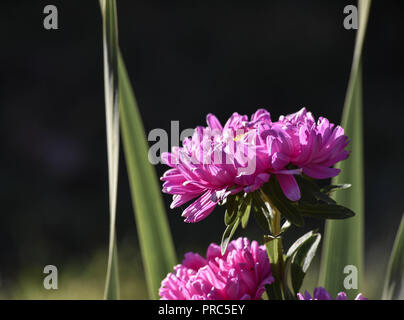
(154, 233)
(343, 241)
(394, 283)
(110, 47)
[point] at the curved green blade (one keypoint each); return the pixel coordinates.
(154, 233)
(394, 283)
(343, 240)
(110, 46)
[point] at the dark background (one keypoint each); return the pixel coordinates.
(185, 59)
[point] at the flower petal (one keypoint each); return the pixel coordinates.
(213, 122)
(289, 186)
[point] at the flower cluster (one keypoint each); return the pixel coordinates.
(322, 294)
(242, 155)
(240, 274)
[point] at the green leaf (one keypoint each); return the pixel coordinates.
(238, 207)
(286, 225)
(286, 207)
(262, 212)
(310, 192)
(394, 283)
(343, 240)
(244, 210)
(300, 256)
(331, 188)
(274, 290)
(273, 245)
(153, 230)
(110, 46)
(297, 244)
(231, 209)
(323, 197)
(325, 211)
(307, 189)
(317, 204)
(228, 234)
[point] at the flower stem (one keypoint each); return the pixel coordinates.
(275, 250)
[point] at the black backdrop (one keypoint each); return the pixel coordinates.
(185, 59)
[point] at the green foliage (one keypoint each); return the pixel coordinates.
(343, 240)
(237, 211)
(394, 283)
(313, 203)
(154, 232)
(110, 45)
(231, 209)
(275, 290)
(299, 258)
(262, 212)
(228, 234)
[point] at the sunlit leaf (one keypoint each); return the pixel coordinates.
(110, 45)
(331, 188)
(244, 211)
(343, 240)
(394, 283)
(151, 221)
(273, 245)
(231, 209)
(299, 257)
(228, 234)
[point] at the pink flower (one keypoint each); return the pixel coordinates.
(322, 294)
(315, 146)
(240, 274)
(241, 155)
(297, 140)
(215, 162)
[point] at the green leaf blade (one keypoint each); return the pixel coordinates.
(262, 212)
(155, 238)
(228, 234)
(110, 47)
(343, 240)
(299, 257)
(326, 211)
(275, 290)
(394, 283)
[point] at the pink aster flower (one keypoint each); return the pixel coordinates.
(241, 155)
(240, 274)
(297, 139)
(217, 161)
(314, 147)
(322, 294)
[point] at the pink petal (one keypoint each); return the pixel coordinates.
(200, 208)
(320, 172)
(169, 159)
(213, 122)
(193, 261)
(180, 199)
(289, 186)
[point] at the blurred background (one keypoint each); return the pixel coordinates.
(185, 59)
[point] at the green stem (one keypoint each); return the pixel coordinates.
(275, 249)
